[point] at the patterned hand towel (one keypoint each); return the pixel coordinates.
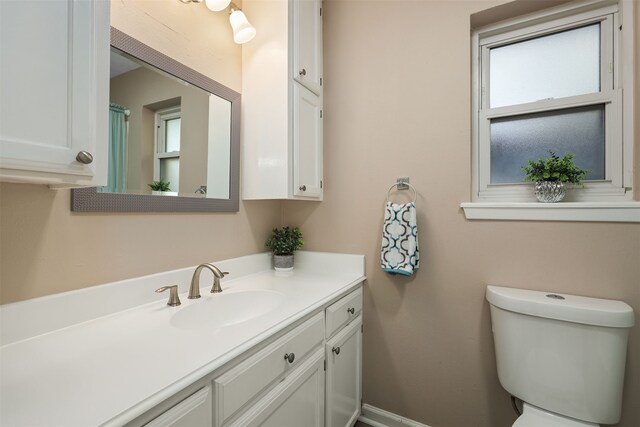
(400, 239)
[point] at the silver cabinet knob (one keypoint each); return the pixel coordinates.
(290, 357)
(351, 310)
(336, 350)
(302, 72)
(303, 188)
(84, 157)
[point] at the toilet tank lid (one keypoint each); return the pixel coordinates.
(570, 308)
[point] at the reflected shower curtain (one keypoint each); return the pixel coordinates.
(118, 132)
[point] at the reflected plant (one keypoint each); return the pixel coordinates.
(160, 185)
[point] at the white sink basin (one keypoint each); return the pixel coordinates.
(226, 309)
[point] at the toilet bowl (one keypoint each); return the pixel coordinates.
(563, 355)
(536, 417)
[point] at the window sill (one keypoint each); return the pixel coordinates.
(563, 211)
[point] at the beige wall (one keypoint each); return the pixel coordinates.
(396, 103)
(397, 99)
(45, 248)
(144, 92)
(189, 33)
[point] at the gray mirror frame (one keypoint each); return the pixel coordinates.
(90, 200)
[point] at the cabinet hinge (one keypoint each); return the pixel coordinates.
(320, 11)
(320, 183)
(320, 113)
(325, 364)
(362, 329)
(320, 81)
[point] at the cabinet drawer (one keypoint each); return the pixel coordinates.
(343, 311)
(194, 410)
(242, 383)
(296, 401)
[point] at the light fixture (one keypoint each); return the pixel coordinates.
(217, 5)
(243, 31)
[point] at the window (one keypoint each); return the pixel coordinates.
(552, 81)
(167, 153)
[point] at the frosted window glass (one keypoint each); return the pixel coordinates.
(516, 140)
(170, 171)
(554, 66)
(173, 134)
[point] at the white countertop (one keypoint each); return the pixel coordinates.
(110, 369)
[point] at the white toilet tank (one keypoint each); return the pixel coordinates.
(562, 353)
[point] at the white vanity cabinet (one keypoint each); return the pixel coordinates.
(54, 85)
(292, 360)
(297, 401)
(282, 110)
(344, 361)
(309, 375)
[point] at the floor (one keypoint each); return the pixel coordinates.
(360, 424)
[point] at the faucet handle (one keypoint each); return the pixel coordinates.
(173, 294)
(216, 282)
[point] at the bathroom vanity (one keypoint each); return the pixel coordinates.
(271, 349)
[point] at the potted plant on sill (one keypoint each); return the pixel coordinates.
(161, 187)
(283, 243)
(550, 175)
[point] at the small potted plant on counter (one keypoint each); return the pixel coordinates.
(283, 243)
(160, 187)
(550, 175)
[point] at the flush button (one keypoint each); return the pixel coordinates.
(555, 296)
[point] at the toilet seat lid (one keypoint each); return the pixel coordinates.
(533, 416)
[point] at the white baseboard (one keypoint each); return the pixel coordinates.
(376, 417)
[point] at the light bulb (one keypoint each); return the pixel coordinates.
(217, 5)
(243, 31)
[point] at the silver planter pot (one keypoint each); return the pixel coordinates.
(283, 262)
(549, 191)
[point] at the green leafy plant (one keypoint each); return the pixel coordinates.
(554, 168)
(285, 241)
(160, 185)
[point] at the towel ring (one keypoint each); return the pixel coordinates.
(415, 193)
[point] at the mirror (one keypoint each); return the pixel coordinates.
(168, 123)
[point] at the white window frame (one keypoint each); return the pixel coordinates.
(518, 199)
(160, 145)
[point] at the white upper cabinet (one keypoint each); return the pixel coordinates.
(307, 146)
(307, 44)
(54, 82)
(282, 101)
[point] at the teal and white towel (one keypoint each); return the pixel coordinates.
(400, 253)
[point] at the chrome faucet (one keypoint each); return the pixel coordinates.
(194, 290)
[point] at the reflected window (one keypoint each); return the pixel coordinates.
(167, 157)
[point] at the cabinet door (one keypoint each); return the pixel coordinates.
(195, 410)
(307, 44)
(54, 85)
(307, 143)
(297, 401)
(344, 376)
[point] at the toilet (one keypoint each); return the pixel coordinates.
(562, 355)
